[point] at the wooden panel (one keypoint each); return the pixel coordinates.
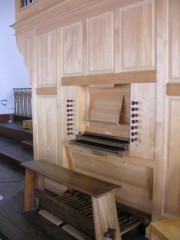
(118, 170)
(172, 177)
(47, 129)
(173, 89)
(46, 91)
(174, 37)
(147, 76)
(46, 54)
(109, 101)
(145, 95)
(28, 11)
(137, 36)
(72, 49)
(105, 107)
(26, 45)
(100, 32)
(161, 108)
(47, 3)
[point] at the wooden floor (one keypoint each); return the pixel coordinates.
(13, 222)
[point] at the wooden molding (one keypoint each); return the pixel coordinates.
(46, 91)
(173, 89)
(146, 76)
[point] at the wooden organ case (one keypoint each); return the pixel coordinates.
(111, 69)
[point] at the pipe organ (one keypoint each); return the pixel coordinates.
(105, 94)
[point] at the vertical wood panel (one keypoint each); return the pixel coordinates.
(47, 129)
(172, 172)
(161, 101)
(174, 28)
(145, 95)
(137, 36)
(46, 55)
(26, 46)
(72, 49)
(101, 43)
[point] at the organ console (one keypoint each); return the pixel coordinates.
(100, 142)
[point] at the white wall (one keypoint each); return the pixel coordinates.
(13, 72)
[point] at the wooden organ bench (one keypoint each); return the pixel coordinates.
(101, 193)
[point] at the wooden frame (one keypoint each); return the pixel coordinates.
(146, 76)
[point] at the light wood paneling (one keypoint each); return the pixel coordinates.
(47, 3)
(108, 110)
(145, 95)
(118, 170)
(161, 108)
(47, 129)
(26, 46)
(100, 34)
(147, 76)
(137, 36)
(171, 205)
(27, 11)
(105, 107)
(72, 49)
(174, 37)
(46, 55)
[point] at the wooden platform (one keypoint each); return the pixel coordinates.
(14, 143)
(15, 131)
(12, 151)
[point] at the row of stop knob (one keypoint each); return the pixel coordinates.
(70, 115)
(134, 121)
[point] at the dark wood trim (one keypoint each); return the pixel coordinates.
(146, 76)
(173, 89)
(4, 117)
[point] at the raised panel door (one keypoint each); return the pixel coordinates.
(171, 198)
(137, 36)
(46, 59)
(72, 47)
(100, 42)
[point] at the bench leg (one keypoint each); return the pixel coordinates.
(105, 218)
(32, 181)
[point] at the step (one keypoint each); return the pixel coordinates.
(11, 151)
(14, 158)
(27, 145)
(15, 131)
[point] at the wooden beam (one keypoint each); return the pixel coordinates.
(173, 89)
(146, 76)
(46, 91)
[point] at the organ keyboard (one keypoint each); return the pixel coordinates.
(103, 143)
